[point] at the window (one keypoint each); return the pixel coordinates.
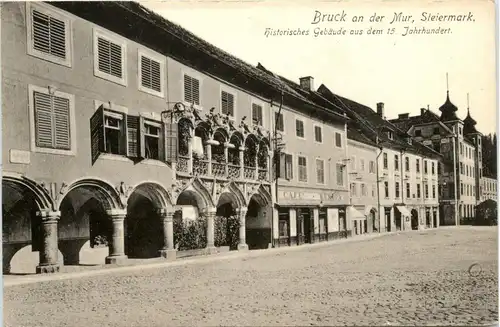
(227, 103)
(152, 140)
(302, 169)
(49, 34)
(408, 190)
(461, 189)
(372, 166)
(151, 72)
(373, 190)
(283, 228)
(418, 132)
(318, 134)
(363, 189)
(426, 190)
(396, 188)
(417, 164)
(278, 118)
(257, 118)
(353, 189)
(320, 171)
(433, 168)
(461, 149)
(192, 90)
(436, 131)
(407, 163)
(418, 191)
(385, 161)
(299, 128)
(461, 168)
(110, 59)
(425, 167)
(340, 174)
(386, 188)
(390, 135)
(285, 164)
(362, 165)
(396, 162)
(353, 163)
(114, 131)
(338, 140)
(52, 121)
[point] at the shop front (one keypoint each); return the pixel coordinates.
(311, 216)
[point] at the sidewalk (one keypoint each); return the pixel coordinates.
(13, 280)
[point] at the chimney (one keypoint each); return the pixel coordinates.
(307, 83)
(380, 109)
(422, 110)
(404, 116)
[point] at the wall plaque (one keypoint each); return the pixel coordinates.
(19, 156)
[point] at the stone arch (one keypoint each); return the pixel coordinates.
(251, 150)
(184, 129)
(261, 195)
(223, 132)
(155, 192)
(24, 184)
(234, 194)
(202, 195)
(102, 190)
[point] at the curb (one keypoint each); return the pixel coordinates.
(196, 260)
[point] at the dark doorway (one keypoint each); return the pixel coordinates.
(435, 218)
(387, 215)
(414, 219)
(284, 227)
(397, 219)
(427, 217)
(342, 223)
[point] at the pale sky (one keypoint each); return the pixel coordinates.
(404, 72)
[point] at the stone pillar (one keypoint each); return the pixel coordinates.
(49, 247)
(211, 230)
(242, 245)
(269, 166)
(431, 217)
(242, 162)
(437, 217)
(209, 158)
(256, 162)
(167, 218)
(294, 233)
(190, 155)
(117, 244)
(315, 237)
(226, 159)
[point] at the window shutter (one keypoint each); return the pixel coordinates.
(191, 90)
(109, 57)
(171, 142)
(227, 103)
(43, 120)
(289, 165)
(97, 133)
(282, 165)
(162, 143)
(49, 34)
(62, 127)
(132, 136)
(141, 149)
(150, 74)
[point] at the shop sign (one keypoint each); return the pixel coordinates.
(312, 196)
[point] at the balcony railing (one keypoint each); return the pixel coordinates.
(233, 171)
(262, 174)
(218, 169)
(249, 173)
(182, 164)
(200, 167)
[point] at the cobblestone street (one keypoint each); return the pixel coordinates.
(415, 278)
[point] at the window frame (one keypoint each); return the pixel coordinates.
(47, 9)
(298, 119)
(151, 55)
(261, 105)
(385, 161)
(280, 114)
(193, 74)
(110, 37)
(340, 167)
(72, 121)
(324, 173)
(314, 131)
(298, 169)
(228, 90)
(335, 140)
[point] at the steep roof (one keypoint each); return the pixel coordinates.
(469, 124)
(135, 22)
(406, 123)
(372, 124)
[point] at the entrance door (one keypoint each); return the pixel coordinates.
(308, 225)
(342, 223)
(387, 219)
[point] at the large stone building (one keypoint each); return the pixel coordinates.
(460, 144)
(488, 189)
(117, 130)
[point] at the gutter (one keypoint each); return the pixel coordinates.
(276, 172)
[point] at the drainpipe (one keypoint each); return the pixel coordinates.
(276, 169)
(378, 186)
(455, 176)
(403, 187)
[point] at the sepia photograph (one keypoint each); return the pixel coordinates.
(249, 163)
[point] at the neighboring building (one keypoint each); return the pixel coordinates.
(123, 132)
(406, 170)
(488, 189)
(460, 144)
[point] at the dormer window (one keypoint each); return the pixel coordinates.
(409, 140)
(418, 132)
(390, 135)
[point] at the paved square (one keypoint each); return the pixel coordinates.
(413, 278)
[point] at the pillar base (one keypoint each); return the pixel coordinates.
(47, 269)
(243, 247)
(119, 259)
(211, 250)
(168, 254)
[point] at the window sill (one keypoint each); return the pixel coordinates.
(152, 92)
(154, 162)
(50, 58)
(114, 157)
(71, 153)
(111, 78)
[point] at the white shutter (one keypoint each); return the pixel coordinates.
(109, 56)
(43, 120)
(49, 34)
(150, 74)
(62, 133)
